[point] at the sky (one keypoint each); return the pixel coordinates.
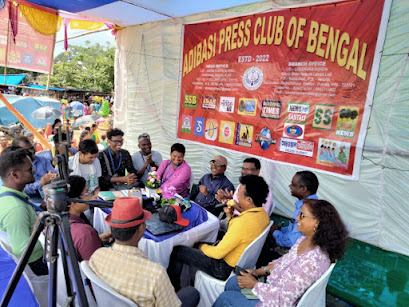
(100, 37)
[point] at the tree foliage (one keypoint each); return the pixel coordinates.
(89, 68)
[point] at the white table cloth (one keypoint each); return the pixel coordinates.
(160, 251)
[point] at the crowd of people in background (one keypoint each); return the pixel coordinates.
(315, 237)
(96, 105)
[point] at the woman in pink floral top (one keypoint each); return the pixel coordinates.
(324, 241)
(176, 172)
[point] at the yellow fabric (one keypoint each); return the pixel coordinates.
(241, 232)
(43, 22)
(85, 25)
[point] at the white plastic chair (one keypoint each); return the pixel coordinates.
(315, 295)
(62, 288)
(104, 294)
(210, 288)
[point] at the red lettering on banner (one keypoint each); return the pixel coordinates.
(297, 117)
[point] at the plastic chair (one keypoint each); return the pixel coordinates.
(62, 288)
(104, 294)
(315, 295)
(210, 288)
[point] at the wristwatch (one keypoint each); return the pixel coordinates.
(266, 272)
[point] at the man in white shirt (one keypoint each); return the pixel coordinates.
(146, 158)
(85, 164)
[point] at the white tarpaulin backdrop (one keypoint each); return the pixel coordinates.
(147, 72)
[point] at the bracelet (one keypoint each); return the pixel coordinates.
(265, 270)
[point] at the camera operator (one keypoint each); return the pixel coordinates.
(17, 215)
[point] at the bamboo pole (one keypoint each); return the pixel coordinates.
(51, 64)
(25, 122)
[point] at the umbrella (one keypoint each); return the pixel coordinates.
(84, 120)
(77, 105)
(46, 113)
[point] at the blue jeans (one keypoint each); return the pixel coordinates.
(181, 255)
(232, 296)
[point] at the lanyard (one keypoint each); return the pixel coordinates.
(8, 193)
(148, 168)
(115, 169)
(167, 171)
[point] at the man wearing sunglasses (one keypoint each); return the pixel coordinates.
(209, 184)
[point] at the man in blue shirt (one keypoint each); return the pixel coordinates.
(209, 184)
(44, 171)
(304, 185)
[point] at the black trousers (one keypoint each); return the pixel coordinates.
(193, 257)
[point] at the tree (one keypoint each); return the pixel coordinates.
(90, 68)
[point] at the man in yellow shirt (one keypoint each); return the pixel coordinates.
(218, 261)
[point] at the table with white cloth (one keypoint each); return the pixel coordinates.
(160, 251)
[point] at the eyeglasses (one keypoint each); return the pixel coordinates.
(302, 216)
(246, 169)
(117, 141)
(213, 162)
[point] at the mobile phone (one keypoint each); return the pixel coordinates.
(238, 269)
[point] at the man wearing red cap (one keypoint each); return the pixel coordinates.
(125, 268)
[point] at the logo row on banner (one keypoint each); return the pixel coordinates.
(332, 153)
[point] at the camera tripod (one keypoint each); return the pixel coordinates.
(56, 223)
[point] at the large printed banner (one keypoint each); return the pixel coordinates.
(289, 86)
(31, 51)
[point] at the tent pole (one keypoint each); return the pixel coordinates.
(7, 50)
(51, 65)
(25, 122)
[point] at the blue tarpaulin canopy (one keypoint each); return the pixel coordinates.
(12, 79)
(40, 87)
(26, 106)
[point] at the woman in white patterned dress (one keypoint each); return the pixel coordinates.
(324, 241)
